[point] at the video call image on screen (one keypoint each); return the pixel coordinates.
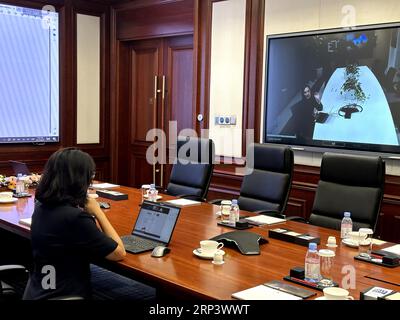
(29, 75)
(337, 89)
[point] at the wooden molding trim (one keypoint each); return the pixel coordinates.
(169, 18)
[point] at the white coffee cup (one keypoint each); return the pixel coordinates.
(209, 247)
(6, 195)
(356, 237)
(335, 293)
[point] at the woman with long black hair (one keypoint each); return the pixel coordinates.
(64, 235)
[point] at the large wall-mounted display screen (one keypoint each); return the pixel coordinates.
(335, 89)
(29, 75)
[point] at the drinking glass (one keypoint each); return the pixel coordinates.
(326, 260)
(365, 243)
(225, 209)
(145, 191)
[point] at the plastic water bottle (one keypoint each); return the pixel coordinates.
(346, 226)
(312, 264)
(234, 212)
(20, 185)
(153, 193)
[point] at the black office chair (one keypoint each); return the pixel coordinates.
(348, 183)
(13, 279)
(191, 175)
(266, 188)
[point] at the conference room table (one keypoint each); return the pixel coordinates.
(182, 275)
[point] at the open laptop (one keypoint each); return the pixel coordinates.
(19, 167)
(153, 227)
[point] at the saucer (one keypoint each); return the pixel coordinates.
(218, 213)
(321, 298)
(9, 200)
(158, 197)
(197, 252)
(350, 243)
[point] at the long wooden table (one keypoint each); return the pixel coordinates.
(182, 275)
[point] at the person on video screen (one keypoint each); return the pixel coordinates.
(305, 113)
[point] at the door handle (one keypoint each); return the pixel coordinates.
(163, 88)
(155, 88)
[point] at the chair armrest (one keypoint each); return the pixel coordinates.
(10, 267)
(68, 298)
(271, 213)
(12, 270)
(7, 271)
(215, 201)
(191, 197)
(297, 218)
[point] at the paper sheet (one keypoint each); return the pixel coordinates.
(183, 202)
(104, 185)
(393, 249)
(378, 242)
(262, 292)
(263, 219)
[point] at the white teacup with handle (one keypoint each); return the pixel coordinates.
(356, 237)
(209, 247)
(335, 293)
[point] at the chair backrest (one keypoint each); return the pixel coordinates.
(191, 174)
(349, 183)
(267, 187)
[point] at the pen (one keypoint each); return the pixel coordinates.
(315, 285)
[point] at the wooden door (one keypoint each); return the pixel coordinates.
(161, 91)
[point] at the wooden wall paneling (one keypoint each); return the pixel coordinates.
(130, 23)
(120, 125)
(179, 105)
(252, 86)
(202, 59)
(168, 18)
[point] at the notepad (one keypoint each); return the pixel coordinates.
(183, 202)
(393, 249)
(104, 185)
(263, 219)
(263, 292)
(26, 221)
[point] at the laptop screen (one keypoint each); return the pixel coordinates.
(156, 221)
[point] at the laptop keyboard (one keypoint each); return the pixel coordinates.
(137, 244)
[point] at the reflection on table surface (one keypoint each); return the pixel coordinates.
(373, 125)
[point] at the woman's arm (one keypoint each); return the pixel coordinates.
(93, 207)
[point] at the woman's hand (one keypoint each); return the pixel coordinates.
(92, 207)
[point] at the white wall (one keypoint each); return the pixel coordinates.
(88, 79)
(227, 73)
(283, 16)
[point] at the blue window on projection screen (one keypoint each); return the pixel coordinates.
(29, 75)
